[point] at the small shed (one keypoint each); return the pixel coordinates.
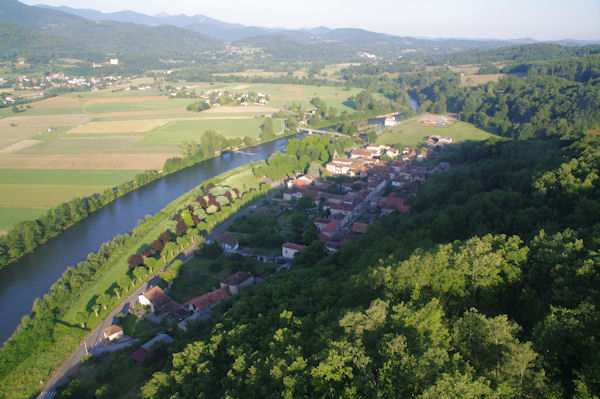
(237, 282)
(113, 333)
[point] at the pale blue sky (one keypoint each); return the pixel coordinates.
(494, 19)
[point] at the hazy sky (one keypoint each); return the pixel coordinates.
(495, 19)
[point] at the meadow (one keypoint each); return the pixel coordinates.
(410, 133)
(28, 193)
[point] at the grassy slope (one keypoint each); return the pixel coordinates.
(412, 132)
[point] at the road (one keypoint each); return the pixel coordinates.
(95, 337)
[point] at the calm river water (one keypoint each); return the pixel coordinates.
(32, 275)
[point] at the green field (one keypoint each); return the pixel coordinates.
(284, 94)
(100, 144)
(66, 177)
(411, 133)
(176, 132)
(10, 215)
(26, 194)
(7, 112)
(42, 195)
(166, 104)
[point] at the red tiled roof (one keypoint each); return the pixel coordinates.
(161, 301)
(331, 226)
(237, 278)
(297, 247)
(312, 193)
(360, 227)
(112, 330)
(207, 300)
(394, 201)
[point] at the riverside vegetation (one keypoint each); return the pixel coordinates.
(85, 293)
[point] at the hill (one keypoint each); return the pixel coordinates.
(112, 37)
(17, 41)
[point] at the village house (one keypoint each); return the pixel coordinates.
(207, 301)
(390, 121)
(392, 152)
(113, 333)
(301, 181)
(290, 249)
(291, 194)
(161, 303)
(320, 223)
(365, 153)
(378, 149)
(226, 243)
(237, 282)
(331, 229)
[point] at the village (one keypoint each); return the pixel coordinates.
(52, 83)
(356, 188)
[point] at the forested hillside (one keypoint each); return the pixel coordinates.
(490, 289)
(555, 98)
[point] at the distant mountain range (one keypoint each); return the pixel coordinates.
(165, 38)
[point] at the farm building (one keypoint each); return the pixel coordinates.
(237, 282)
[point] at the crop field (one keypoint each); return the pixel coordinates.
(411, 133)
(186, 130)
(66, 177)
(119, 105)
(28, 193)
(41, 195)
(130, 126)
(105, 137)
(85, 161)
(97, 145)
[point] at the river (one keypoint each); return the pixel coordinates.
(31, 276)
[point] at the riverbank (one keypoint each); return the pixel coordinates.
(32, 276)
(31, 355)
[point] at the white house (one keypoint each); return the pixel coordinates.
(113, 333)
(390, 121)
(114, 61)
(289, 249)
